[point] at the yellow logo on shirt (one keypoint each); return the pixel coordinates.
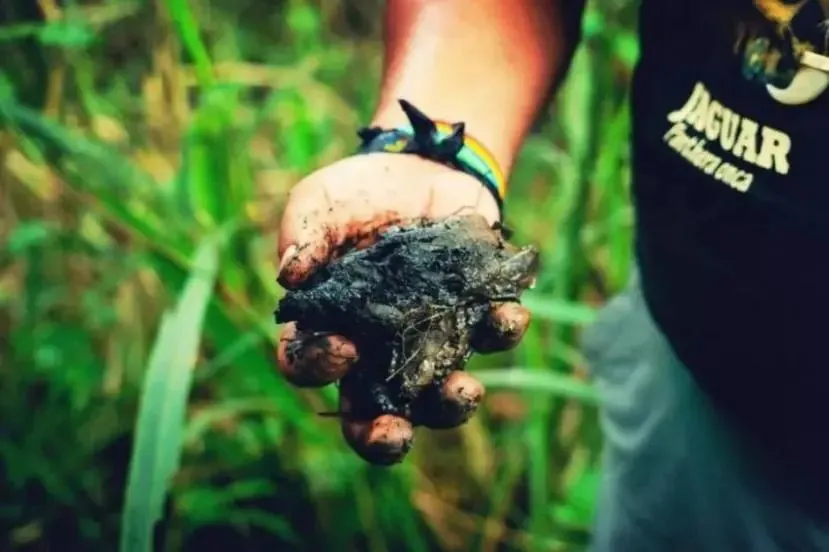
(712, 137)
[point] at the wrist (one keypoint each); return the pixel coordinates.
(443, 142)
(494, 137)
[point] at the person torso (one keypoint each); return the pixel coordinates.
(732, 198)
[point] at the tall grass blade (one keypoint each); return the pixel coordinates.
(537, 381)
(190, 35)
(558, 310)
(160, 427)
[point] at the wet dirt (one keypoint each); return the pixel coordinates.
(413, 303)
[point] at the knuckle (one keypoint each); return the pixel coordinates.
(455, 402)
(317, 360)
(503, 329)
(384, 440)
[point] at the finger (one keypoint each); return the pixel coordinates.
(502, 329)
(384, 440)
(314, 360)
(453, 403)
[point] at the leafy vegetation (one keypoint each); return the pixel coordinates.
(145, 153)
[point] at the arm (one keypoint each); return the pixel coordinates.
(488, 63)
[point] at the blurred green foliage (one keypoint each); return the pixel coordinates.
(145, 153)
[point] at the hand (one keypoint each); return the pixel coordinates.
(346, 205)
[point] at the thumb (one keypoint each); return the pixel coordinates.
(315, 238)
(307, 233)
(345, 205)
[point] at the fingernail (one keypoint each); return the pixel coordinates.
(290, 253)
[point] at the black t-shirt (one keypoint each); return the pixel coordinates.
(732, 196)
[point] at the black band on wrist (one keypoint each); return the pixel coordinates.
(438, 141)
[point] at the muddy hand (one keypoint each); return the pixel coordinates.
(346, 205)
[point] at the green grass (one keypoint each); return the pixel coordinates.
(131, 135)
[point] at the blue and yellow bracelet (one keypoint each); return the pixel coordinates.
(441, 142)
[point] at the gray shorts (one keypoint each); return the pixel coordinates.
(674, 479)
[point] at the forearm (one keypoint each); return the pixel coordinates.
(487, 63)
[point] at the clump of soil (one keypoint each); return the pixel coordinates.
(414, 303)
